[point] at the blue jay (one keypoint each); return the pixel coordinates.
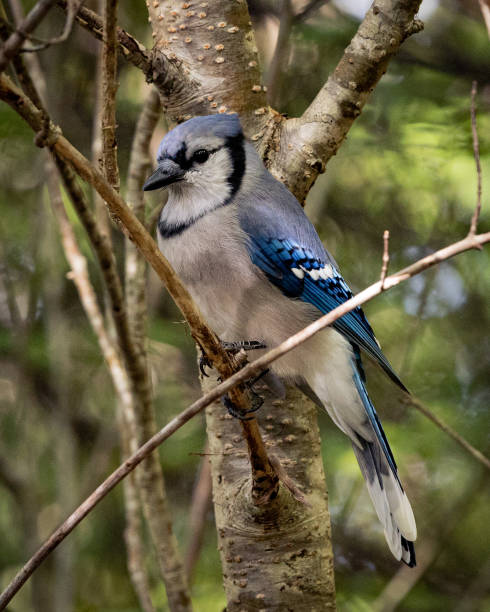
(254, 264)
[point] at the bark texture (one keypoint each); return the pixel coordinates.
(276, 556)
(214, 61)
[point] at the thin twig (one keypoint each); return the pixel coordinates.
(13, 44)
(157, 67)
(386, 258)
(476, 153)
(42, 43)
(150, 478)
(476, 454)
(242, 375)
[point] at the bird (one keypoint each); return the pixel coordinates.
(253, 262)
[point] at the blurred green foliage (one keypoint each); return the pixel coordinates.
(406, 166)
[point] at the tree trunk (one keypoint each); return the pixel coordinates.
(277, 556)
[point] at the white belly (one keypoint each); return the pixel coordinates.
(235, 297)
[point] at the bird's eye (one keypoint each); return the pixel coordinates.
(200, 156)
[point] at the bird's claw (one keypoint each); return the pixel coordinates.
(246, 345)
(204, 363)
(255, 400)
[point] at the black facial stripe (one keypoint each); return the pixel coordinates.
(237, 152)
(181, 159)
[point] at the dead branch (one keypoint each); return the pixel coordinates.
(150, 478)
(166, 73)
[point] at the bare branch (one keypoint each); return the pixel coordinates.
(386, 258)
(13, 44)
(307, 143)
(130, 48)
(468, 243)
(150, 478)
(476, 153)
(132, 532)
(73, 6)
(164, 71)
(109, 89)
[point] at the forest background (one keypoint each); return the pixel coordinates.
(407, 166)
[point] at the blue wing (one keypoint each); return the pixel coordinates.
(300, 274)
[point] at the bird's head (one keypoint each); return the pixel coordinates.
(205, 154)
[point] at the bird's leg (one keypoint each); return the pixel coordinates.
(256, 400)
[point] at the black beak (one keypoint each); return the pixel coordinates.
(168, 172)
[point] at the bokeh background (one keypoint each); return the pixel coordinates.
(406, 166)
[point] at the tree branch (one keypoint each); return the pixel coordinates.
(150, 477)
(307, 143)
(468, 243)
(109, 89)
(476, 153)
(13, 44)
(164, 71)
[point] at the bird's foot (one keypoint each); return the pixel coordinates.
(230, 347)
(256, 400)
(246, 345)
